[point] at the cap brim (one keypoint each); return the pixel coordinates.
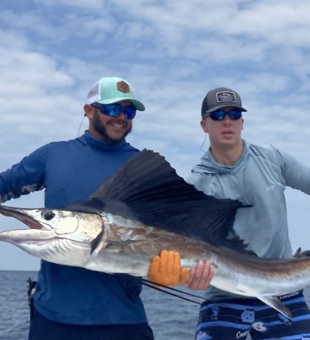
(228, 105)
(138, 105)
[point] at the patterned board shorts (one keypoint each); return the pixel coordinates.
(237, 318)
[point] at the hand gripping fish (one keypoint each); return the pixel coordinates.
(143, 208)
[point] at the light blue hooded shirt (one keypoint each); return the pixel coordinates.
(259, 179)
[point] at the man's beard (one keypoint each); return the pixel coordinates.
(101, 129)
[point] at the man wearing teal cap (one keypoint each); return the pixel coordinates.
(71, 302)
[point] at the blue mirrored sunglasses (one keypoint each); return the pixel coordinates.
(114, 110)
(220, 114)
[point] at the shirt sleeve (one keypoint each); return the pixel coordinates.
(24, 177)
(295, 173)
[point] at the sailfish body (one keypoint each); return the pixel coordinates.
(145, 207)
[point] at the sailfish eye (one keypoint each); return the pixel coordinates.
(48, 215)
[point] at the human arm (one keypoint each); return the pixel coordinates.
(24, 177)
(166, 270)
(295, 173)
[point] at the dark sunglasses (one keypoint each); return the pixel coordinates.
(114, 110)
(220, 114)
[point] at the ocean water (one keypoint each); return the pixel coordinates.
(170, 318)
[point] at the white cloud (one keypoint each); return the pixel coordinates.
(80, 4)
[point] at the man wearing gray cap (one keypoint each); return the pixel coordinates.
(233, 168)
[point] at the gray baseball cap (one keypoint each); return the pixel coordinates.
(220, 97)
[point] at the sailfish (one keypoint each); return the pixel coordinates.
(143, 208)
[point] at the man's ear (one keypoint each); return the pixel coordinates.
(204, 126)
(88, 111)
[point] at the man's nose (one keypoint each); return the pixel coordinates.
(122, 114)
(227, 119)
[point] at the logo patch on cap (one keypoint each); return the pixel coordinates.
(225, 97)
(123, 87)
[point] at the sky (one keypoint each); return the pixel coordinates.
(173, 53)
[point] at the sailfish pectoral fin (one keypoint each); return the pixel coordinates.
(275, 302)
(101, 243)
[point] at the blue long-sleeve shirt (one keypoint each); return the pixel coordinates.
(70, 171)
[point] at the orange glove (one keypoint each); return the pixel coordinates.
(166, 269)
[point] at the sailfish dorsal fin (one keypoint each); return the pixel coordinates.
(151, 189)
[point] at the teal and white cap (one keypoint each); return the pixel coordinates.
(109, 90)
